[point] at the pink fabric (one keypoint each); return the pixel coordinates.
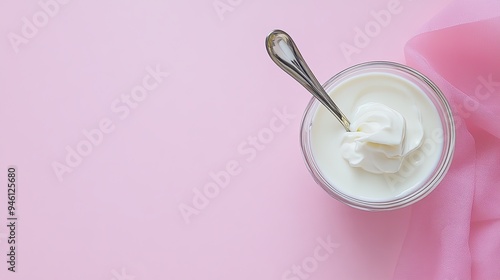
(455, 232)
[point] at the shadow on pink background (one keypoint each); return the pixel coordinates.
(173, 95)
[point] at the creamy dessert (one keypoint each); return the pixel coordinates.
(394, 145)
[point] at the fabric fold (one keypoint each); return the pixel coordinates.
(454, 233)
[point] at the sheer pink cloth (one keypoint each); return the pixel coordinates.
(455, 232)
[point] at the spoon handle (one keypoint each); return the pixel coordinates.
(285, 54)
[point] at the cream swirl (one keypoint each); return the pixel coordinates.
(380, 138)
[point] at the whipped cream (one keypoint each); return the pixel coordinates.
(401, 95)
(380, 138)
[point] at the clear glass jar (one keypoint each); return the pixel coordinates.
(427, 184)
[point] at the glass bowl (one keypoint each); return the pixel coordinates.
(445, 139)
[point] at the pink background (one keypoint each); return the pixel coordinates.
(116, 215)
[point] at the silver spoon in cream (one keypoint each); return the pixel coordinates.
(285, 54)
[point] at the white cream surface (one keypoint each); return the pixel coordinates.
(380, 138)
(395, 140)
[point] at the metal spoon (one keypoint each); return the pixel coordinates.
(285, 54)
